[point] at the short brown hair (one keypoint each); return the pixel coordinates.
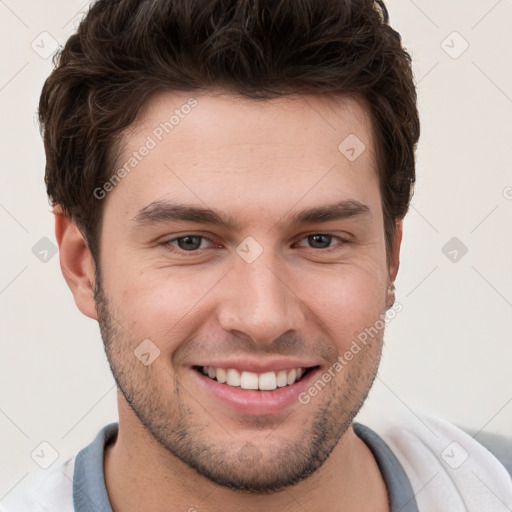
(124, 51)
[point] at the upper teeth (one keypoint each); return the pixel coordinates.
(249, 380)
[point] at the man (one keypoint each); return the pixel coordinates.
(279, 137)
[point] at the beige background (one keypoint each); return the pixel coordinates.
(449, 352)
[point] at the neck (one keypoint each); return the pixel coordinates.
(141, 475)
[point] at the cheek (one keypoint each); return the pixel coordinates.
(165, 303)
(347, 301)
(160, 303)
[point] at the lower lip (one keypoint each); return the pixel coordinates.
(255, 402)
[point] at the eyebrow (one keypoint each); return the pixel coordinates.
(160, 212)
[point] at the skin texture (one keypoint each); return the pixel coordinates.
(179, 447)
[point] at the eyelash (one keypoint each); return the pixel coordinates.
(343, 241)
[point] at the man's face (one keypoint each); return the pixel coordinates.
(264, 295)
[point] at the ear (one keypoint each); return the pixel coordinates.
(394, 262)
(76, 263)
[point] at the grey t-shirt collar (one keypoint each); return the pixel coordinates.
(89, 490)
(401, 495)
(90, 493)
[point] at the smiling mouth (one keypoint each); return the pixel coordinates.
(267, 381)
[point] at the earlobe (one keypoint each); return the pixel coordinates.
(76, 263)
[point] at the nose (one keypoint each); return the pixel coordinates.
(259, 301)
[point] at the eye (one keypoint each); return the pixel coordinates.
(193, 244)
(187, 243)
(323, 240)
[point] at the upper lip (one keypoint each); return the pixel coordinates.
(259, 366)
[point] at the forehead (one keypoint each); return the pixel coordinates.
(223, 149)
(219, 117)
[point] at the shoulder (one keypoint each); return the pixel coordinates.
(52, 489)
(446, 466)
(43, 490)
(499, 445)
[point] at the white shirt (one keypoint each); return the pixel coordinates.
(427, 464)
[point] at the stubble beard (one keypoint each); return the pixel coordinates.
(168, 419)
